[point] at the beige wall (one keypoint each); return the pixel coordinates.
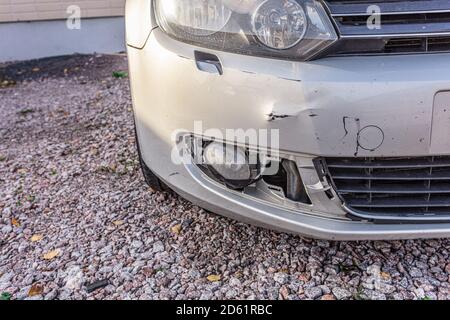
(30, 10)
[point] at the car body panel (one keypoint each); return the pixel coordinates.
(327, 102)
(139, 22)
(358, 106)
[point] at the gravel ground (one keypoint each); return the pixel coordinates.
(78, 222)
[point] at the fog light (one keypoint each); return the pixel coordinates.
(230, 162)
(231, 165)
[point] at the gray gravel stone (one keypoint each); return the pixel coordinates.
(420, 293)
(5, 280)
(280, 277)
(375, 295)
(74, 279)
(231, 294)
(51, 295)
(313, 293)
(341, 293)
(158, 247)
(6, 229)
(137, 244)
(415, 272)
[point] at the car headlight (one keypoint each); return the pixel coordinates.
(291, 29)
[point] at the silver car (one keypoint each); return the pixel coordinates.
(329, 119)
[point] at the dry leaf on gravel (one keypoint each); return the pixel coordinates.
(35, 290)
(51, 254)
(15, 222)
(385, 275)
(303, 277)
(284, 292)
(7, 83)
(23, 171)
(148, 271)
(176, 229)
(118, 222)
(214, 278)
(36, 238)
(447, 268)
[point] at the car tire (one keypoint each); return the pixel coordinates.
(150, 178)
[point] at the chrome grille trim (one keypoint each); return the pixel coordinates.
(420, 20)
(401, 189)
(362, 14)
(397, 35)
(355, 7)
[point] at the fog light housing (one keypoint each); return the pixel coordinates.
(231, 165)
(237, 167)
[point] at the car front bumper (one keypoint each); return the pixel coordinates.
(319, 109)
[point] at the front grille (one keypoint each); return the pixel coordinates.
(431, 44)
(392, 46)
(407, 26)
(393, 188)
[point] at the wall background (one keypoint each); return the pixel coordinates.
(32, 29)
(32, 10)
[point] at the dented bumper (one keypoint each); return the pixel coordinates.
(382, 106)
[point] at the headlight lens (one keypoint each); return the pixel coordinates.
(293, 29)
(197, 17)
(279, 24)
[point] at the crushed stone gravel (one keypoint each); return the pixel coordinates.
(76, 214)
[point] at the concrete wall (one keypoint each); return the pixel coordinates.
(39, 39)
(32, 10)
